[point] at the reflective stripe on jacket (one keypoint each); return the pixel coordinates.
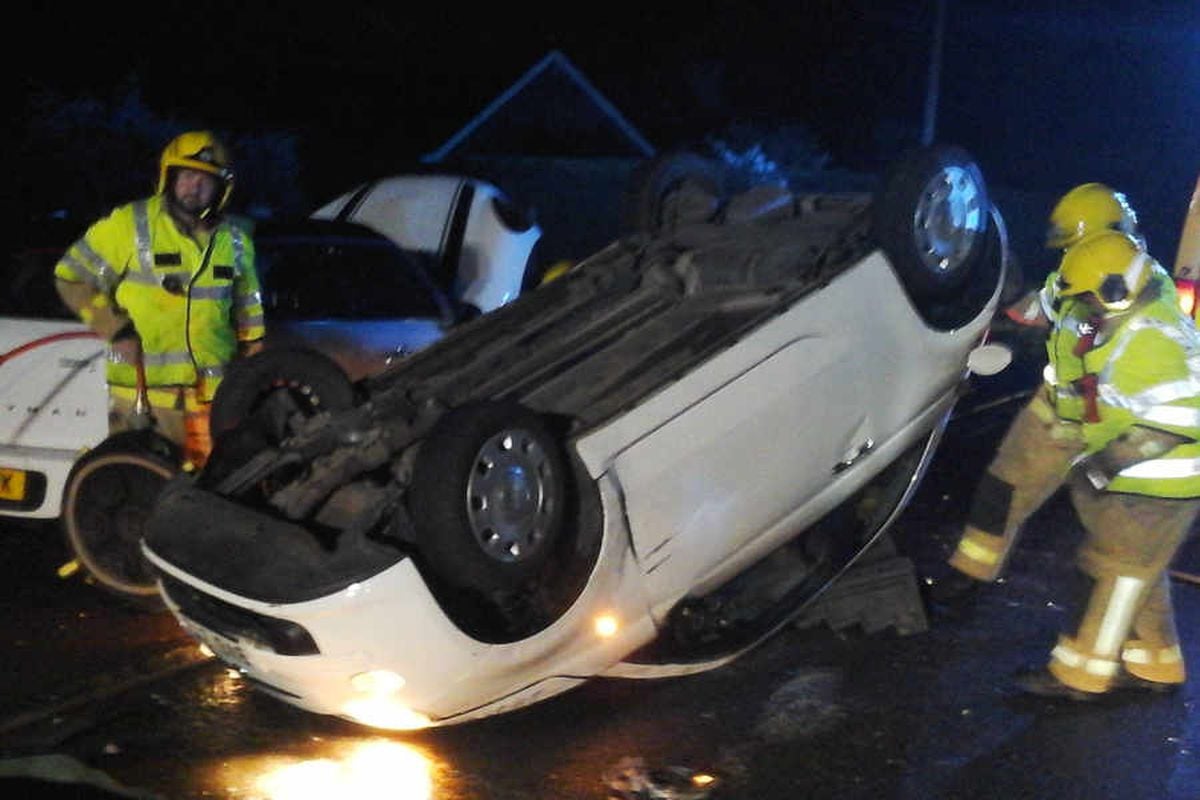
(191, 300)
(1145, 372)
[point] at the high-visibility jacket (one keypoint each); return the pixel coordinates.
(190, 299)
(1143, 370)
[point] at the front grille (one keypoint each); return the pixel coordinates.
(278, 635)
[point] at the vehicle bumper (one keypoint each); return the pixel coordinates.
(392, 623)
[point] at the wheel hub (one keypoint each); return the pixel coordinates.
(948, 218)
(506, 496)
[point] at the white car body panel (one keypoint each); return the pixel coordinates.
(735, 405)
(54, 404)
(419, 211)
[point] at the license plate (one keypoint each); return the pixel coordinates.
(224, 649)
(12, 484)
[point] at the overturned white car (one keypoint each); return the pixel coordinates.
(641, 469)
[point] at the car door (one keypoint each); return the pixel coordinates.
(360, 300)
(718, 465)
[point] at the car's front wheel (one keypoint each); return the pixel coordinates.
(488, 497)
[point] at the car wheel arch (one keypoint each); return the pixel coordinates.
(933, 218)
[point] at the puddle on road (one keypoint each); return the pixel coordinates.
(350, 769)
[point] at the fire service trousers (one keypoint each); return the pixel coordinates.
(179, 415)
(1124, 616)
(1031, 464)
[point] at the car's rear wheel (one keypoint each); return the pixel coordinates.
(263, 401)
(673, 189)
(932, 217)
(109, 495)
(488, 497)
(276, 383)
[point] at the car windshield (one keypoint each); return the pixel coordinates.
(311, 277)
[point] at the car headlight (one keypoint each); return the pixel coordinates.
(377, 702)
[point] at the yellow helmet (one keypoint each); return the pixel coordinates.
(1086, 209)
(1111, 265)
(197, 150)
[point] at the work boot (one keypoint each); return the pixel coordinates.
(1127, 681)
(1041, 682)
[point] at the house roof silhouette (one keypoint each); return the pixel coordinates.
(551, 110)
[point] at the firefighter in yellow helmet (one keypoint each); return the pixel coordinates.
(1086, 209)
(1034, 458)
(170, 283)
(1120, 408)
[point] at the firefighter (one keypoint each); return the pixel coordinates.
(1124, 372)
(1034, 459)
(169, 282)
(1088, 208)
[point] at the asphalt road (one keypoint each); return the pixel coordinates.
(817, 712)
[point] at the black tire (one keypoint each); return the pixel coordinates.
(672, 189)
(488, 497)
(932, 218)
(1014, 286)
(109, 494)
(279, 381)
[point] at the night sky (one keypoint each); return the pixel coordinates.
(1046, 96)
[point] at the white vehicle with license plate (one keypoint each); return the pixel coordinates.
(641, 469)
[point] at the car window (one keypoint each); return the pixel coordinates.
(328, 278)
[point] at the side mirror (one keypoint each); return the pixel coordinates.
(989, 359)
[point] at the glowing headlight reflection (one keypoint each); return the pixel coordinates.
(377, 682)
(378, 704)
(385, 712)
(606, 625)
(370, 770)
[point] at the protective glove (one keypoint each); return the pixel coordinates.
(1134, 446)
(126, 344)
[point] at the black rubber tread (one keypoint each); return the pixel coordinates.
(311, 375)
(109, 493)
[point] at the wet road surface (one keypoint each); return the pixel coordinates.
(814, 713)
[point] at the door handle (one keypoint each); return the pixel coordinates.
(854, 456)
